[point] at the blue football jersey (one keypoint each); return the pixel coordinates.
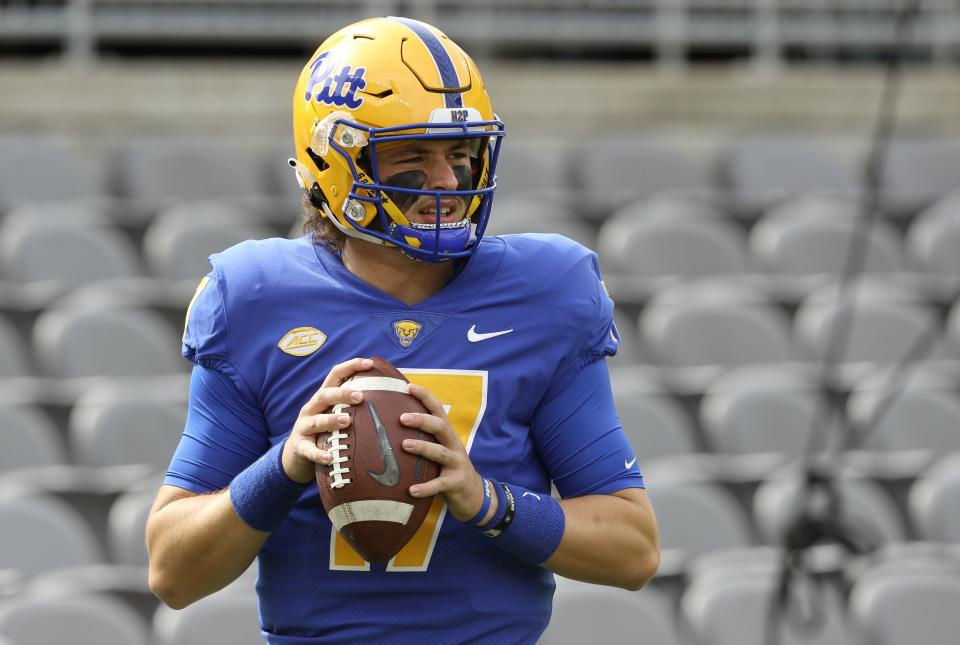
(525, 315)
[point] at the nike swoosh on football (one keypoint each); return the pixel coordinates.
(475, 337)
(629, 464)
(391, 469)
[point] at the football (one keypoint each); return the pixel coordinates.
(365, 490)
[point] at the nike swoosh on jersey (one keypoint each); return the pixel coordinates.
(629, 464)
(475, 337)
(391, 469)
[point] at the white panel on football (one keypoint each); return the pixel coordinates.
(380, 384)
(370, 510)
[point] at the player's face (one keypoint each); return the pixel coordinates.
(433, 164)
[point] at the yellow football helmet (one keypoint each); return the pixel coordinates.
(389, 80)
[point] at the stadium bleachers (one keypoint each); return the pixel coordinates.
(724, 270)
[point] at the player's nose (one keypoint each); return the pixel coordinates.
(440, 175)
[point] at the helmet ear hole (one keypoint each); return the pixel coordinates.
(317, 160)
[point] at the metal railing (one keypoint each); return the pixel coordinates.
(671, 32)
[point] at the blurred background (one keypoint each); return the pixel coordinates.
(712, 152)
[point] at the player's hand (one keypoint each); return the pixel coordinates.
(301, 454)
(459, 483)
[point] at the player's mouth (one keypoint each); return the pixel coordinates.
(451, 210)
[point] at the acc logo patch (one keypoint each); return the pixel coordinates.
(406, 331)
(302, 341)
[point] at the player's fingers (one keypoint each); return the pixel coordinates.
(310, 451)
(430, 450)
(429, 401)
(437, 426)
(427, 489)
(342, 371)
(327, 397)
(312, 425)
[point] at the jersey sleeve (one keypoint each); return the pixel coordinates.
(206, 333)
(580, 438)
(224, 433)
(590, 313)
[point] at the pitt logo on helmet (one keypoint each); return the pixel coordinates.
(340, 89)
(302, 341)
(406, 331)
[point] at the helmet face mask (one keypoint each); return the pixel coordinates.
(357, 97)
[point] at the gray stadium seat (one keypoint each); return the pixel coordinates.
(763, 170)
(126, 527)
(668, 206)
(917, 172)
(737, 561)
(811, 237)
(41, 168)
(118, 342)
(228, 617)
(868, 513)
(699, 330)
(41, 533)
(178, 242)
(519, 214)
(64, 257)
(531, 167)
(657, 248)
(934, 237)
(765, 409)
(733, 609)
(281, 178)
(79, 620)
(655, 423)
(13, 358)
(28, 439)
(57, 214)
(582, 611)
(893, 605)
(883, 329)
(615, 170)
(155, 173)
(695, 518)
(932, 503)
(126, 423)
(918, 411)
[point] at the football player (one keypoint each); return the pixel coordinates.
(504, 341)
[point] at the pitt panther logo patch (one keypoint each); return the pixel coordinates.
(406, 331)
(302, 341)
(336, 87)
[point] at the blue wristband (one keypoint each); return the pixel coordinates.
(533, 526)
(483, 507)
(501, 507)
(262, 494)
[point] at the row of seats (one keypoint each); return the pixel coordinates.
(48, 248)
(597, 174)
(701, 328)
(62, 516)
(798, 240)
(688, 334)
(906, 593)
(731, 600)
(774, 413)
